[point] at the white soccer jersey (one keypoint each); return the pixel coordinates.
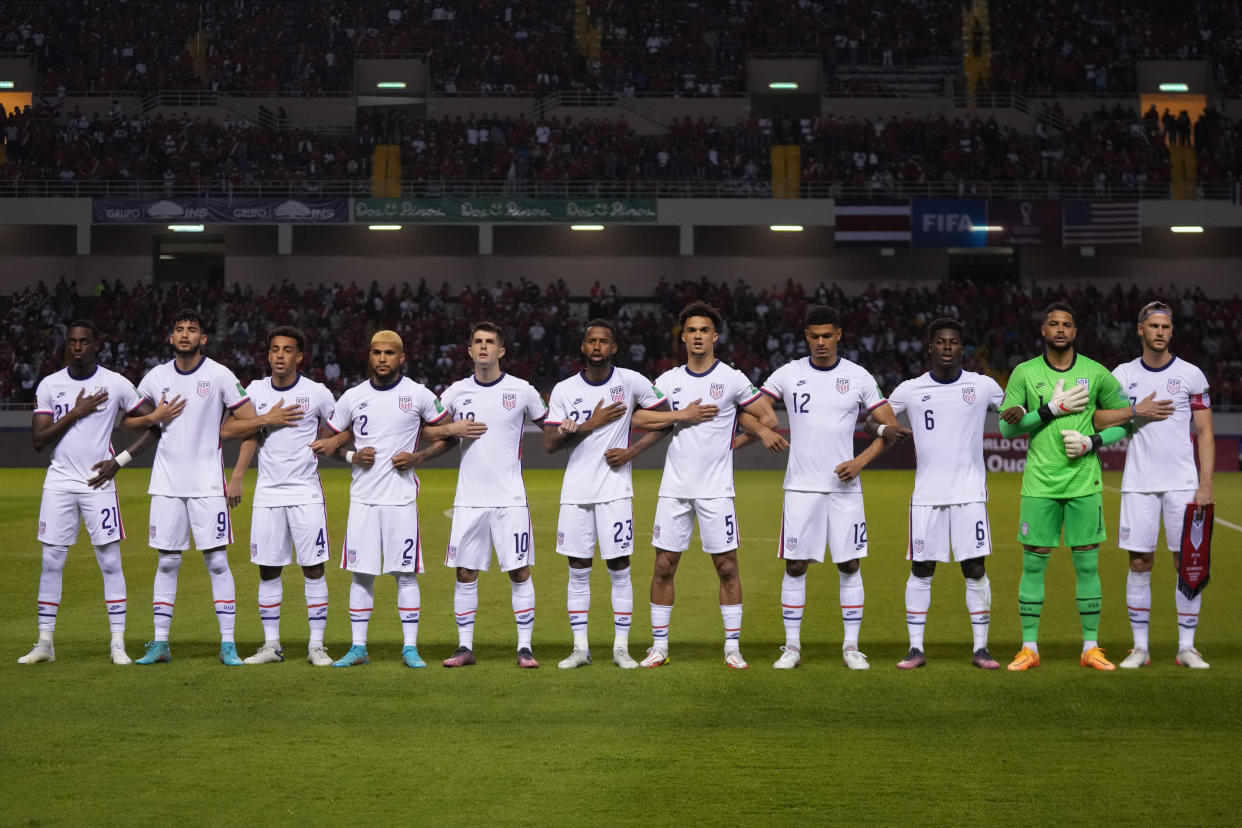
(490, 473)
(388, 420)
(288, 469)
(823, 405)
(1160, 457)
(948, 419)
(88, 441)
(188, 462)
(699, 462)
(588, 478)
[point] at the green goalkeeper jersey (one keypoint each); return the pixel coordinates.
(1048, 472)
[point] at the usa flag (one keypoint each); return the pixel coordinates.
(1101, 222)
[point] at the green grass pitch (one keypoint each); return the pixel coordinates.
(694, 743)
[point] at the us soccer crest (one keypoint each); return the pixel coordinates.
(918, 545)
(791, 544)
(655, 533)
(560, 538)
(42, 527)
(717, 390)
(406, 403)
(1174, 385)
(452, 554)
(968, 395)
(254, 550)
(1124, 533)
(152, 531)
(351, 556)
(618, 393)
(843, 385)
(508, 400)
(1083, 381)
(303, 403)
(204, 387)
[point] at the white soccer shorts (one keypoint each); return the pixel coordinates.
(812, 521)
(580, 525)
(675, 517)
(175, 519)
(61, 513)
(381, 539)
(476, 529)
(1139, 527)
(277, 531)
(962, 526)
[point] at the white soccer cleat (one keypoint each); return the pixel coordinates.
(790, 658)
(655, 658)
(622, 658)
(735, 661)
(118, 655)
(578, 658)
(1190, 658)
(1135, 660)
(854, 659)
(37, 654)
(267, 654)
(319, 657)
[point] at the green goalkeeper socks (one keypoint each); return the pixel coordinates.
(1031, 593)
(1087, 591)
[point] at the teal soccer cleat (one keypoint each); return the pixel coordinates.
(411, 658)
(229, 656)
(157, 653)
(357, 655)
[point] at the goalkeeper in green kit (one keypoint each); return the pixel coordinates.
(1052, 398)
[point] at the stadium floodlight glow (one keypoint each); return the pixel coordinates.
(988, 228)
(383, 226)
(785, 228)
(1188, 228)
(586, 227)
(1174, 87)
(186, 228)
(783, 85)
(390, 85)
(6, 84)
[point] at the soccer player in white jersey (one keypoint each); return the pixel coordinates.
(385, 417)
(187, 480)
(289, 520)
(823, 394)
(591, 413)
(697, 483)
(1160, 477)
(490, 507)
(947, 408)
(76, 410)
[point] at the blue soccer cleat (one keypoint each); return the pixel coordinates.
(357, 655)
(157, 653)
(228, 654)
(411, 658)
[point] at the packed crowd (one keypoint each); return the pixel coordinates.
(685, 47)
(187, 155)
(884, 327)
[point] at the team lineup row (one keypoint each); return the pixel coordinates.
(384, 428)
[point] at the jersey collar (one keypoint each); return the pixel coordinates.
(275, 387)
(1061, 370)
(831, 367)
(488, 384)
(93, 372)
(705, 373)
(936, 379)
(612, 370)
(382, 387)
(1165, 367)
(202, 360)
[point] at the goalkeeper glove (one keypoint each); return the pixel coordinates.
(1077, 444)
(1064, 402)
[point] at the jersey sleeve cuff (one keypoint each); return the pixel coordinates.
(877, 405)
(335, 430)
(443, 415)
(548, 422)
(140, 404)
(660, 403)
(771, 394)
(42, 411)
(747, 402)
(239, 403)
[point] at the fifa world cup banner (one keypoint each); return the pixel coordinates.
(1031, 223)
(503, 210)
(220, 210)
(949, 222)
(1005, 454)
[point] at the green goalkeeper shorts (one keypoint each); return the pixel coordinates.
(1041, 519)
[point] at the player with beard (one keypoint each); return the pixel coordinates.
(1053, 398)
(591, 414)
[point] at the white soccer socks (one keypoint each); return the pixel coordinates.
(108, 557)
(524, 611)
(622, 606)
(918, 601)
(1187, 619)
(316, 609)
(361, 603)
(851, 607)
(979, 606)
(222, 592)
(409, 601)
(465, 606)
(164, 594)
(50, 580)
(731, 615)
(271, 594)
(1138, 604)
(793, 602)
(660, 617)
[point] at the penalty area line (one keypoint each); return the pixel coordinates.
(1235, 527)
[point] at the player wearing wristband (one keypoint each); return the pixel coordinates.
(76, 410)
(1054, 393)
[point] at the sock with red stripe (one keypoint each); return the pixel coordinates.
(622, 606)
(361, 602)
(164, 595)
(1187, 619)
(524, 611)
(108, 557)
(1138, 604)
(222, 592)
(578, 601)
(918, 601)
(731, 615)
(271, 594)
(979, 605)
(465, 606)
(793, 602)
(409, 600)
(851, 607)
(50, 581)
(661, 614)
(317, 609)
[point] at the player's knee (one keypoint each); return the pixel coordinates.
(848, 567)
(618, 564)
(405, 579)
(519, 576)
(271, 573)
(313, 572)
(974, 569)
(169, 563)
(217, 561)
(923, 569)
(467, 576)
(1140, 562)
(54, 557)
(796, 569)
(726, 568)
(580, 563)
